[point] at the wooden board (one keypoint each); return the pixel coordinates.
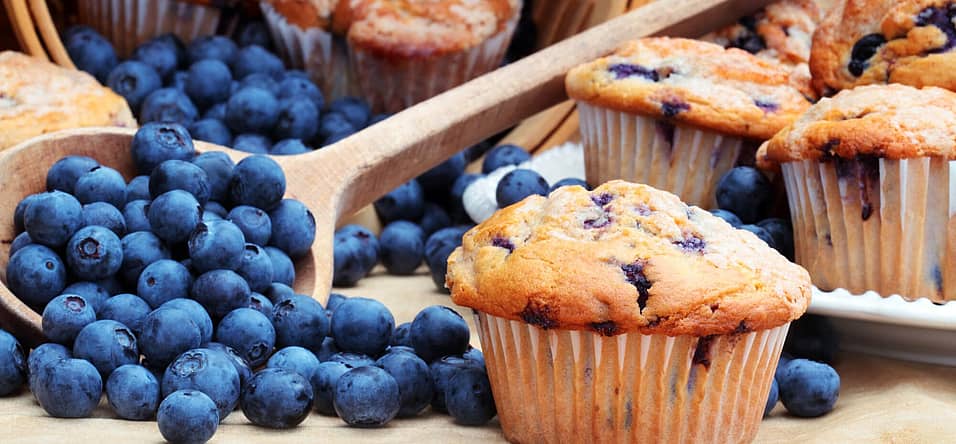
(881, 401)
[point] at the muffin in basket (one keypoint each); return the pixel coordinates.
(870, 179)
(624, 315)
(38, 97)
(677, 114)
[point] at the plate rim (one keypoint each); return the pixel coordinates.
(873, 307)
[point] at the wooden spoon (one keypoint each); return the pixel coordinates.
(340, 179)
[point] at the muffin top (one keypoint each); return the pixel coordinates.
(38, 97)
(881, 41)
(306, 13)
(699, 83)
(624, 258)
(889, 121)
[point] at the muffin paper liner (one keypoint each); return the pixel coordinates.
(683, 160)
(557, 386)
(391, 84)
(323, 55)
(876, 224)
(127, 23)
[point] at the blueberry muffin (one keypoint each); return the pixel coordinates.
(782, 31)
(677, 114)
(870, 179)
(865, 42)
(38, 97)
(624, 315)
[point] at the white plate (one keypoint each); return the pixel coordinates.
(893, 327)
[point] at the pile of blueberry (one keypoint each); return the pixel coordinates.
(804, 381)
(234, 93)
(744, 197)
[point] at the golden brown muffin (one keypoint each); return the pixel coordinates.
(38, 97)
(624, 258)
(306, 13)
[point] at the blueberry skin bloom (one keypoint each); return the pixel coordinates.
(809, 389)
(355, 253)
(45, 354)
(519, 184)
(212, 47)
(163, 281)
(174, 215)
(127, 309)
(402, 247)
(283, 270)
(256, 59)
(134, 80)
(94, 293)
(256, 268)
(277, 399)
(64, 173)
(216, 245)
(366, 397)
(107, 345)
(94, 253)
(504, 155)
(293, 228)
(300, 320)
(250, 333)
(296, 120)
(435, 218)
(209, 372)
(221, 291)
(52, 218)
(179, 175)
(155, 143)
(252, 110)
(362, 325)
(261, 304)
(167, 332)
(90, 52)
(139, 250)
(291, 87)
(212, 131)
(218, 167)
(168, 105)
(439, 331)
(258, 181)
(35, 274)
(208, 83)
(240, 364)
(407, 202)
(69, 388)
(324, 378)
(64, 317)
(133, 392)
(772, 398)
(468, 397)
(252, 143)
(136, 217)
(441, 372)
(415, 387)
(437, 249)
(105, 215)
(295, 359)
(13, 364)
(744, 191)
(187, 417)
(138, 189)
(196, 313)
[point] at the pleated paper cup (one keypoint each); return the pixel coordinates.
(128, 23)
(562, 386)
(391, 84)
(876, 224)
(320, 53)
(683, 160)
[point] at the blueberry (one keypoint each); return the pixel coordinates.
(180, 175)
(134, 80)
(65, 316)
(402, 335)
(782, 234)
(334, 123)
(366, 397)
(35, 274)
(277, 398)
(139, 250)
(293, 228)
(168, 105)
(221, 291)
(327, 350)
(104, 215)
(107, 345)
(209, 216)
(433, 219)
(128, 309)
(362, 326)
(504, 155)
(52, 218)
(570, 182)
(728, 217)
(93, 293)
(295, 359)
(43, 355)
(258, 181)
(180, 78)
(218, 167)
(283, 270)
(135, 216)
(217, 111)
(255, 267)
(252, 143)
(813, 337)
(781, 365)
(216, 245)
(250, 333)
(252, 110)
(406, 202)
(437, 249)
(437, 181)
(293, 86)
(261, 304)
(207, 371)
(300, 320)
(254, 223)
(863, 50)
(468, 397)
(13, 364)
(212, 131)
(21, 209)
(441, 372)
(101, 184)
(475, 355)
(324, 378)
(256, 59)
(162, 281)
(809, 389)
(456, 208)
(761, 233)
(352, 360)
(111, 285)
(240, 364)
(519, 184)
(155, 143)
(160, 55)
(415, 388)
(744, 191)
(133, 392)
(260, 80)
(335, 299)
(187, 416)
(212, 47)
(439, 331)
(167, 332)
(772, 398)
(69, 388)
(296, 119)
(254, 33)
(90, 52)
(354, 109)
(402, 246)
(289, 147)
(22, 240)
(94, 252)
(174, 215)
(355, 251)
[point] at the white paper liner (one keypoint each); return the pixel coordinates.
(560, 386)
(321, 54)
(906, 244)
(682, 160)
(391, 84)
(128, 23)
(561, 162)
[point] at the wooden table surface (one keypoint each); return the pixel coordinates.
(881, 401)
